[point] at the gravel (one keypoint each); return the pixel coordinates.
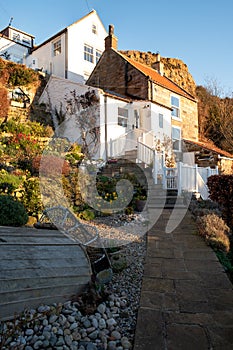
(103, 318)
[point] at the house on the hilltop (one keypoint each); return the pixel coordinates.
(117, 73)
(72, 52)
(15, 44)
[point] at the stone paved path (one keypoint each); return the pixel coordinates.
(186, 298)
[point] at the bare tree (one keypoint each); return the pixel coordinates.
(85, 109)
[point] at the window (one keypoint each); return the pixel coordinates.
(97, 55)
(26, 40)
(161, 121)
(16, 37)
(175, 104)
(94, 29)
(57, 47)
(176, 138)
(88, 53)
(122, 117)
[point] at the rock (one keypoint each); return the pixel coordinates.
(116, 335)
(95, 323)
(71, 319)
(101, 308)
(125, 343)
(93, 335)
(112, 345)
(91, 346)
(102, 323)
(68, 339)
(53, 318)
(38, 344)
(29, 331)
(111, 322)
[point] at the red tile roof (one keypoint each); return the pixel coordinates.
(158, 78)
(210, 147)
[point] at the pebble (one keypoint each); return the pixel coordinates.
(65, 327)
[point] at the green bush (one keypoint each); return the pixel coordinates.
(8, 182)
(31, 198)
(87, 214)
(20, 75)
(12, 212)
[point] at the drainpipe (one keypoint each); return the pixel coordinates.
(106, 127)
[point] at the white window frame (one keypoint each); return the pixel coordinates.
(88, 53)
(175, 107)
(176, 141)
(161, 120)
(98, 54)
(94, 28)
(57, 47)
(16, 36)
(123, 115)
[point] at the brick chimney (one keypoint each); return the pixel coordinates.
(158, 65)
(111, 40)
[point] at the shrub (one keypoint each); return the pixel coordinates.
(31, 198)
(215, 232)
(221, 191)
(20, 75)
(9, 182)
(87, 214)
(12, 212)
(4, 103)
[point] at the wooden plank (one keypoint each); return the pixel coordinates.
(40, 252)
(47, 272)
(38, 267)
(20, 288)
(10, 310)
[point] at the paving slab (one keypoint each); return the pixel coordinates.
(186, 297)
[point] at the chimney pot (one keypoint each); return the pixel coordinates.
(111, 40)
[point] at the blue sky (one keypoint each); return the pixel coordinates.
(198, 32)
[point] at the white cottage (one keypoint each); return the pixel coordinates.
(122, 122)
(73, 52)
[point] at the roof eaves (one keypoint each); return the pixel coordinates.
(185, 93)
(210, 148)
(50, 39)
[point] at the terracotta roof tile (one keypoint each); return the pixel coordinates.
(210, 147)
(158, 78)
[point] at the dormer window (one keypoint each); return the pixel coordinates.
(175, 104)
(94, 29)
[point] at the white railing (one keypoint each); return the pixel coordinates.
(145, 154)
(202, 187)
(188, 178)
(117, 147)
(170, 178)
(206, 172)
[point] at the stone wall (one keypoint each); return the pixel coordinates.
(188, 112)
(112, 75)
(116, 74)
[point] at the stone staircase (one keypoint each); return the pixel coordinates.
(157, 196)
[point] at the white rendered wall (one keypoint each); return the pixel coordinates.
(44, 58)
(80, 33)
